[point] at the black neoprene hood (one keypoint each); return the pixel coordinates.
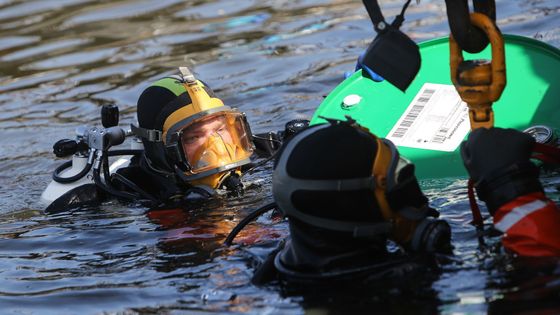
(327, 152)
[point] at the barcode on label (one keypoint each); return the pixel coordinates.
(438, 139)
(440, 136)
(399, 133)
(413, 113)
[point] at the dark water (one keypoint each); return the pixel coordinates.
(275, 60)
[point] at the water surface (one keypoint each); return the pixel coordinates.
(61, 60)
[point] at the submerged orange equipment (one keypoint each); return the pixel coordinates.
(480, 82)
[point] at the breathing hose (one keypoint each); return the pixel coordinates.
(127, 182)
(125, 152)
(65, 180)
(110, 190)
(252, 216)
(105, 167)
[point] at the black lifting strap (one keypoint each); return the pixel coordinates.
(392, 54)
(374, 12)
(469, 37)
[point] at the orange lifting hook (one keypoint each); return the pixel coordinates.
(480, 82)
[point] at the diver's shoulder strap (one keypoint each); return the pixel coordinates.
(151, 135)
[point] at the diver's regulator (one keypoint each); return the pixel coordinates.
(90, 151)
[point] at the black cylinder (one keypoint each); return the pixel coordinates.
(109, 115)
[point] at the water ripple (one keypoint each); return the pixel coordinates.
(275, 60)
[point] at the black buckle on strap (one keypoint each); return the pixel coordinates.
(151, 135)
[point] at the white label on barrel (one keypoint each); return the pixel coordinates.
(436, 119)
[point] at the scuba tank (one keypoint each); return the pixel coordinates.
(89, 163)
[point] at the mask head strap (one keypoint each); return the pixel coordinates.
(384, 167)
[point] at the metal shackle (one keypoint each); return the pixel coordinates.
(480, 82)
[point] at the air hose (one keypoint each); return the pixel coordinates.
(125, 152)
(252, 216)
(110, 190)
(125, 181)
(66, 180)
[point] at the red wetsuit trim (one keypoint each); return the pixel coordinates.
(531, 225)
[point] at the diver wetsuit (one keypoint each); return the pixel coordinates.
(156, 188)
(498, 161)
(530, 224)
(346, 193)
(304, 263)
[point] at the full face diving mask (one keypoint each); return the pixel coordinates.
(213, 144)
(403, 207)
(205, 141)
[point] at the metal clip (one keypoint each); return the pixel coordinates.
(187, 75)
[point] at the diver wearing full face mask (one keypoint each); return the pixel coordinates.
(193, 145)
(345, 193)
(191, 138)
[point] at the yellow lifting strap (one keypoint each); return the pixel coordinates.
(479, 82)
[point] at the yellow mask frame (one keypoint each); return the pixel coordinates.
(202, 104)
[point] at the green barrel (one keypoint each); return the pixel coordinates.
(428, 121)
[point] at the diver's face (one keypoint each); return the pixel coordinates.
(195, 136)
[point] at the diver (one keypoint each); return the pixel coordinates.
(192, 145)
(355, 210)
(499, 161)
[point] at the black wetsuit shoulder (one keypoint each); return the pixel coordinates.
(385, 267)
(161, 187)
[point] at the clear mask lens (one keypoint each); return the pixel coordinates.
(216, 140)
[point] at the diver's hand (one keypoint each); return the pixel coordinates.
(488, 151)
(498, 161)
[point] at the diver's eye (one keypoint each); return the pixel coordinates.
(221, 130)
(191, 139)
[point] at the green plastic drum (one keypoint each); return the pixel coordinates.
(531, 97)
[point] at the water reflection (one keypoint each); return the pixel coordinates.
(275, 60)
